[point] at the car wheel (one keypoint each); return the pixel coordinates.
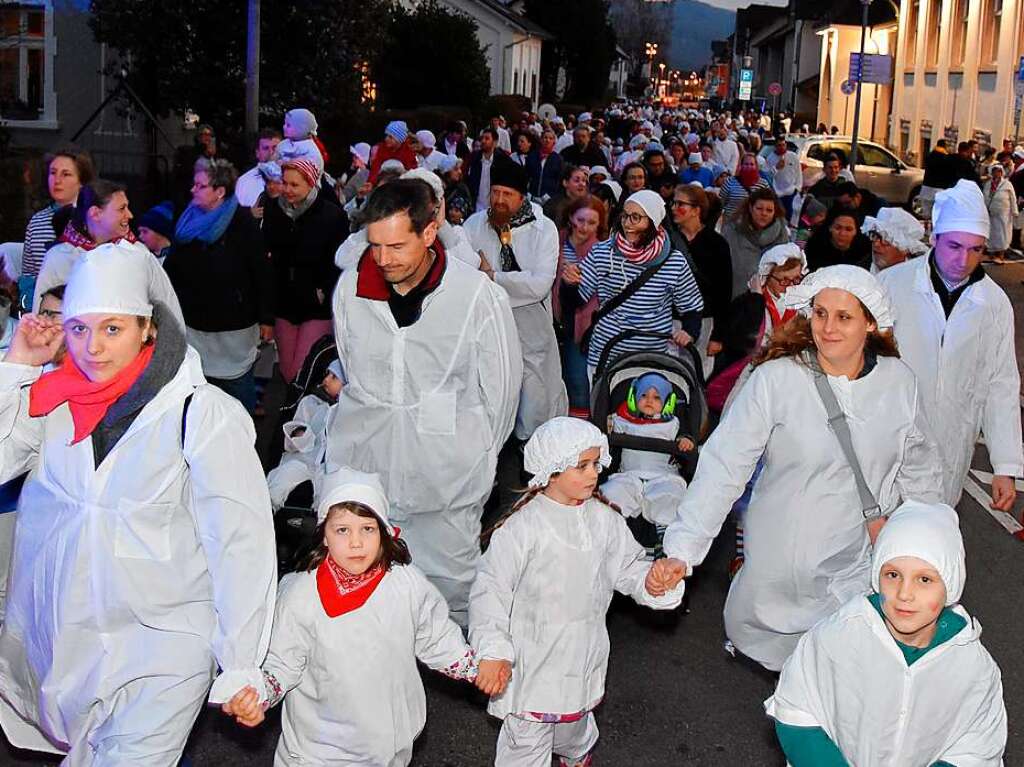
(914, 203)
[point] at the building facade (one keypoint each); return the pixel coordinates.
(956, 66)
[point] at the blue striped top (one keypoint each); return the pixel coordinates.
(606, 272)
(39, 238)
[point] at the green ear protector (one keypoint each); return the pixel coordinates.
(667, 410)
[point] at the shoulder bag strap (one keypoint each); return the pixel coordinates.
(837, 423)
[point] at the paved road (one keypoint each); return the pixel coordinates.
(673, 697)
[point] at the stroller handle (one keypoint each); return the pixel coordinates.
(625, 335)
(647, 444)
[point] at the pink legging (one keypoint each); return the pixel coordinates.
(294, 343)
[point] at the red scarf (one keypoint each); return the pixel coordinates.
(748, 177)
(773, 311)
(637, 255)
(87, 400)
(74, 237)
(340, 591)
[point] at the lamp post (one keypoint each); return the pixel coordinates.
(651, 49)
(860, 76)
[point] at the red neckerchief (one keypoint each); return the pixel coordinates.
(773, 312)
(371, 283)
(74, 237)
(340, 591)
(87, 400)
(623, 412)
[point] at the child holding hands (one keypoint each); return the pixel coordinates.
(348, 632)
(899, 677)
(538, 606)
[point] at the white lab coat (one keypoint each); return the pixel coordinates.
(726, 153)
(453, 239)
(1002, 211)
(249, 187)
(61, 257)
(541, 600)
(133, 581)
(647, 483)
(787, 180)
(806, 549)
(303, 453)
(428, 407)
(967, 368)
(529, 291)
(848, 676)
(353, 693)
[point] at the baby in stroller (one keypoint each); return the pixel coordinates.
(648, 484)
(305, 437)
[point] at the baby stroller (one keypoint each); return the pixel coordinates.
(610, 388)
(295, 522)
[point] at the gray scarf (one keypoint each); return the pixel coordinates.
(294, 211)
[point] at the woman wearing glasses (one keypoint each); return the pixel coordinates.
(759, 224)
(638, 243)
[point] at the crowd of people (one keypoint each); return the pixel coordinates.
(434, 300)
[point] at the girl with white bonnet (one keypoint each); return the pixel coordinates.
(640, 243)
(539, 604)
(144, 553)
(351, 624)
(895, 236)
(897, 676)
(808, 526)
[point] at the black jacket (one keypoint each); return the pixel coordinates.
(711, 264)
(302, 255)
(476, 169)
(938, 170)
(591, 156)
(546, 180)
(821, 252)
(227, 284)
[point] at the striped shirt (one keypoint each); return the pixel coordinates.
(734, 194)
(569, 253)
(39, 238)
(606, 272)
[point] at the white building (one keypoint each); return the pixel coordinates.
(511, 43)
(956, 63)
(618, 76)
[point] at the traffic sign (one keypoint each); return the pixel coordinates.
(874, 68)
(848, 87)
(746, 84)
(775, 89)
(746, 75)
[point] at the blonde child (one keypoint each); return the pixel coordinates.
(899, 677)
(648, 483)
(347, 634)
(538, 606)
(305, 437)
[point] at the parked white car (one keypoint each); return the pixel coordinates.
(878, 169)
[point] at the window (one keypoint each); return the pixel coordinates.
(875, 156)
(22, 61)
(958, 22)
(913, 14)
(932, 31)
(991, 23)
(515, 81)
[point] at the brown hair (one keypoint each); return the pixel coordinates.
(528, 494)
(392, 550)
(82, 160)
(697, 197)
(597, 205)
(795, 337)
(743, 215)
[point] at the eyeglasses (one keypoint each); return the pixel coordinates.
(785, 282)
(197, 185)
(876, 237)
(632, 218)
(50, 314)
(683, 204)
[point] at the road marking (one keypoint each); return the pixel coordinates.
(1011, 525)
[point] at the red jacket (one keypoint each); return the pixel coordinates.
(404, 154)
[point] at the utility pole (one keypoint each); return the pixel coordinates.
(860, 84)
(252, 71)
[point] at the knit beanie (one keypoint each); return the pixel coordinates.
(398, 130)
(160, 219)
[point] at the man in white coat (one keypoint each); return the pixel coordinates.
(434, 372)
(954, 326)
(518, 248)
(726, 151)
(250, 184)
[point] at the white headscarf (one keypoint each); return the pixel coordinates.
(431, 178)
(111, 279)
(961, 209)
(347, 484)
(652, 203)
(776, 256)
(898, 228)
(556, 445)
(852, 279)
(930, 532)
(426, 138)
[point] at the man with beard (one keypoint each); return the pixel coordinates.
(434, 372)
(518, 248)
